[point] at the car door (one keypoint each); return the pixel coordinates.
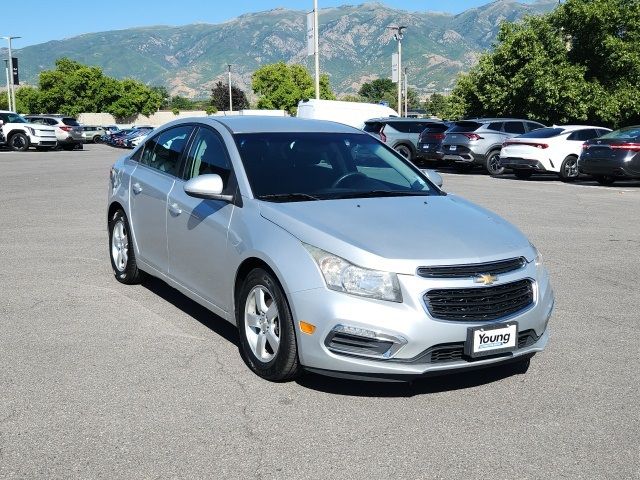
(196, 228)
(150, 185)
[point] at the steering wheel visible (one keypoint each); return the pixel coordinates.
(347, 176)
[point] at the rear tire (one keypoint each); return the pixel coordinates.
(121, 250)
(405, 151)
(605, 179)
(569, 169)
(266, 328)
(18, 142)
(523, 174)
(97, 139)
(493, 164)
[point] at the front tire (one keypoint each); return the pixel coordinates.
(266, 328)
(569, 169)
(19, 142)
(493, 164)
(121, 251)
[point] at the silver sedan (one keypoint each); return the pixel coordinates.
(328, 250)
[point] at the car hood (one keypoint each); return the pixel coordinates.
(401, 233)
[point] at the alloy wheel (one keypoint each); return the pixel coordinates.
(120, 246)
(262, 324)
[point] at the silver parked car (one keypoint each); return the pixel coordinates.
(69, 133)
(327, 249)
(478, 142)
(401, 134)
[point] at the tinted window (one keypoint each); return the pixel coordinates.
(11, 118)
(50, 121)
(543, 133)
(533, 125)
(72, 122)
(164, 150)
(38, 121)
(601, 131)
(514, 127)
(583, 135)
(373, 127)
(326, 166)
(207, 155)
(464, 127)
(495, 126)
(624, 133)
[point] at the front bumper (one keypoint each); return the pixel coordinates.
(429, 345)
(42, 140)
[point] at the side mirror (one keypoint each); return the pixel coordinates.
(207, 187)
(434, 176)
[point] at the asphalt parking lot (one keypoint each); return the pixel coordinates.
(101, 380)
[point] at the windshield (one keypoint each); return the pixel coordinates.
(297, 166)
(543, 133)
(624, 133)
(12, 118)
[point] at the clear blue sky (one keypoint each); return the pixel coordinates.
(39, 22)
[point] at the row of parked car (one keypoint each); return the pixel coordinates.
(126, 137)
(522, 146)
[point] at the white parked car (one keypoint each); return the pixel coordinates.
(19, 134)
(551, 149)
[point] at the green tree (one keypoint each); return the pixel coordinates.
(282, 86)
(580, 62)
(220, 97)
(378, 89)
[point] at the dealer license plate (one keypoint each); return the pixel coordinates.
(491, 339)
(453, 148)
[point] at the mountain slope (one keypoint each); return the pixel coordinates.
(355, 46)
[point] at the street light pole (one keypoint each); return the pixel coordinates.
(316, 45)
(230, 95)
(405, 91)
(398, 36)
(12, 105)
(6, 68)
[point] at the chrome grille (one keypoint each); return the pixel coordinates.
(479, 303)
(473, 269)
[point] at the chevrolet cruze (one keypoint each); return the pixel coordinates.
(327, 249)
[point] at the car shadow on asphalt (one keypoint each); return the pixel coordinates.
(198, 312)
(420, 386)
(331, 385)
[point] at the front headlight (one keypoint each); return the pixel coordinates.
(343, 276)
(537, 259)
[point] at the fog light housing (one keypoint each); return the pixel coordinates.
(362, 342)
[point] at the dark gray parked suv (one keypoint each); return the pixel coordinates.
(478, 141)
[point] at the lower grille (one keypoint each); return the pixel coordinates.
(357, 345)
(454, 352)
(480, 303)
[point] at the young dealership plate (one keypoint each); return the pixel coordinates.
(491, 340)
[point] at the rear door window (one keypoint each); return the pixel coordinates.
(583, 135)
(514, 127)
(533, 126)
(373, 127)
(71, 122)
(495, 126)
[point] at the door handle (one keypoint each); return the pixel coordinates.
(136, 188)
(174, 209)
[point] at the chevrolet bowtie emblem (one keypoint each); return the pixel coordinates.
(486, 279)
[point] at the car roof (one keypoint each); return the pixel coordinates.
(404, 119)
(577, 127)
(497, 119)
(263, 124)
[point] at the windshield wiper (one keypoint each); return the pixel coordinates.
(284, 197)
(385, 193)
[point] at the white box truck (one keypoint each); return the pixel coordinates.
(349, 113)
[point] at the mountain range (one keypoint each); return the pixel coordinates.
(355, 47)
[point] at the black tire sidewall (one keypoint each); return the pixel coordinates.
(490, 155)
(563, 176)
(131, 274)
(284, 365)
(26, 142)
